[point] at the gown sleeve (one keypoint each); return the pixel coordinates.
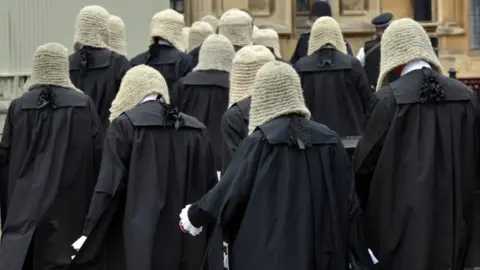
(232, 127)
(98, 136)
(5, 147)
(298, 53)
(121, 68)
(368, 150)
(362, 85)
(359, 256)
(113, 171)
(227, 201)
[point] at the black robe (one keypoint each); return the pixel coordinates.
(336, 90)
(169, 61)
(301, 49)
(415, 172)
(195, 53)
(51, 153)
(150, 171)
(234, 128)
(204, 95)
(98, 73)
(303, 214)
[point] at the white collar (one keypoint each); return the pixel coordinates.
(414, 65)
(148, 98)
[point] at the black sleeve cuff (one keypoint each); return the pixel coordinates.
(198, 217)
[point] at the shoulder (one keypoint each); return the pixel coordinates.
(73, 56)
(192, 122)
(383, 96)
(185, 57)
(304, 36)
(369, 44)
(306, 60)
(356, 64)
(454, 83)
(233, 114)
(139, 59)
(119, 58)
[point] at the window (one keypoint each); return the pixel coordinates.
(475, 24)
(177, 5)
(303, 5)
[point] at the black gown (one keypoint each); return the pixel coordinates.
(98, 73)
(204, 95)
(301, 50)
(302, 214)
(168, 60)
(155, 161)
(415, 174)
(234, 129)
(51, 153)
(195, 53)
(336, 90)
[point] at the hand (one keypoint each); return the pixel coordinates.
(181, 227)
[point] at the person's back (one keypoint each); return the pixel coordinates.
(94, 68)
(245, 65)
(420, 148)
(166, 53)
(301, 215)
(334, 84)
(51, 148)
(203, 93)
(155, 160)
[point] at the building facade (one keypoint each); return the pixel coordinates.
(456, 23)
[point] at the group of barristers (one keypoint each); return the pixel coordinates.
(107, 163)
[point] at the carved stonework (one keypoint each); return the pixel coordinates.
(352, 4)
(353, 7)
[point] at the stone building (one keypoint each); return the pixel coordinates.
(455, 22)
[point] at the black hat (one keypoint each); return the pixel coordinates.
(382, 20)
(320, 9)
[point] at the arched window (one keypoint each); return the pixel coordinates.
(177, 5)
(475, 24)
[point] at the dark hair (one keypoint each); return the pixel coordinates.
(320, 9)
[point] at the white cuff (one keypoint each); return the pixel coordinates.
(186, 224)
(374, 259)
(79, 243)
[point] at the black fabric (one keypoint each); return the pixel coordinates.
(169, 61)
(336, 90)
(234, 128)
(50, 155)
(237, 48)
(98, 73)
(416, 171)
(320, 9)
(301, 50)
(382, 20)
(372, 60)
(302, 215)
(195, 53)
(422, 10)
(155, 161)
(204, 95)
